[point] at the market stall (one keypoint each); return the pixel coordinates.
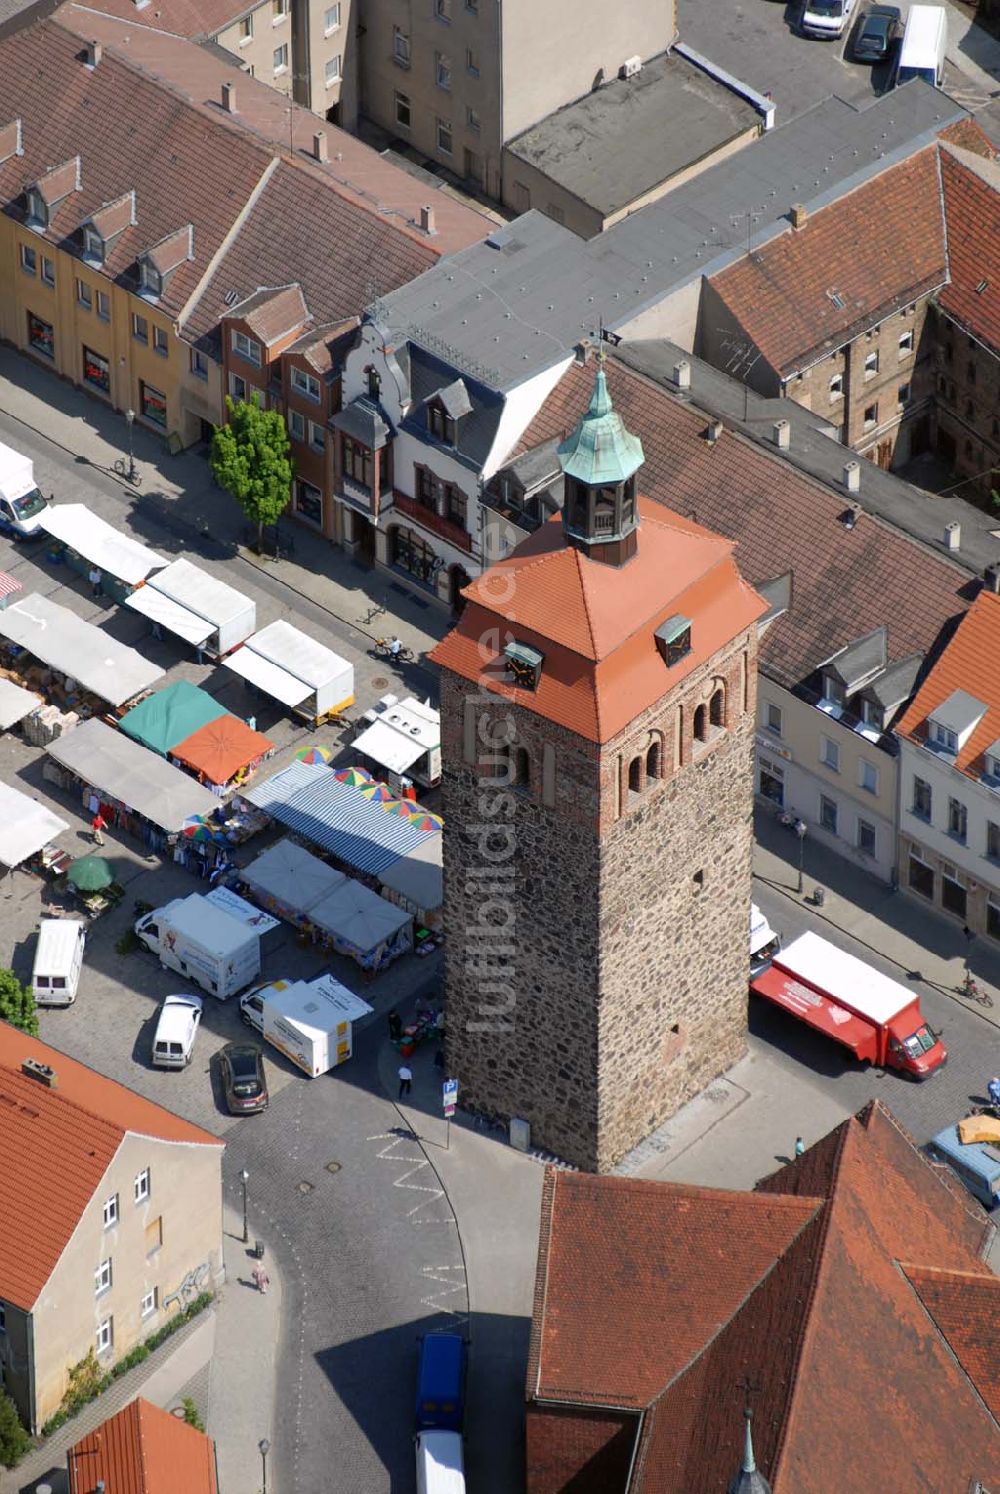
(415, 882)
(402, 738)
(346, 813)
(289, 881)
(9, 587)
(293, 668)
(169, 716)
(196, 606)
(26, 827)
(358, 923)
(223, 753)
(87, 541)
(86, 657)
(134, 789)
(15, 703)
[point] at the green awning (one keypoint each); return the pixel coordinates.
(163, 720)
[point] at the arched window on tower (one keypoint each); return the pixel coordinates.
(717, 708)
(653, 762)
(520, 768)
(635, 776)
(701, 724)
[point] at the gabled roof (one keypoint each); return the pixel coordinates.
(849, 1345)
(272, 312)
(859, 661)
(595, 623)
(58, 1144)
(972, 206)
(143, 1450)
(866, 254)
(967, 667)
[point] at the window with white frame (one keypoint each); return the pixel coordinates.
(102, 1278)
(403, 115)
(29, 259)
(246, 347)
(317, 436)
(106, 1336)
(279, 60)
(93, 244)
(872, 714)
(772, 718)
(905, 344)
(103, 306)
(199, 364)
(332, 71)
(833, 691)
(140, 1188)
(331, 19)
(442, 70)
(48, 271)
(246, 30)
(296, 425)
(237, 388)
(837, 386)
(150, 279)
(472, 120)
(921, 804)
(444, 137)
(305, 383)
(829, 754)
(111, 1211)
(958, 819)
(84, 295)
(149, 1302)
(867, 838)
(828, 812)
(871, 364)
(401, 46)
(140, 327)
(279, 11)
(870, 418)
(442, 9)
(160, 342)
(944, 737)
(868, 776)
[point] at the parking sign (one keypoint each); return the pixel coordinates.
(449, 1096)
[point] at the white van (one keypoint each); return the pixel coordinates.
(58, 961)
(176, 1031)
(20, 501)
(826, 19)
(440, 1469)
(925, 40)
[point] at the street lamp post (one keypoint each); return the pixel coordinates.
(800, 830)
(129, 422)
(244, 1179)
(264, 1447)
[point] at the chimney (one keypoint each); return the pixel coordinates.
(229, 98)
(92, 50)
(782, 432)
(682, 374)
(991, 577)
(953, 535)
(798, 214)
(427, 218)
(319, 146)
(851, 516)
(714, 431)
(583, 350)
(852, 477)
(40, 1071)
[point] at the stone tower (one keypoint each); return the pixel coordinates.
(597, 705)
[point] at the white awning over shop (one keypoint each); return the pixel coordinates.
(270, 678)
(169, 614)
(383, 744)
(56, 636)
(25, 826)
(15, 704)
(99, 542)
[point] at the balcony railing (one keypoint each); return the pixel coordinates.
(426, 518)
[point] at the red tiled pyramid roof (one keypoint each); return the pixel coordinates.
(143, 1450)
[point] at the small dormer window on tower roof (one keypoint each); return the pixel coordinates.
(38, 209)
(524, 664)
(673, 639)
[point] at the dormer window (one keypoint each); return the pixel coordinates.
(673, 639)
(524, 664)
(38, 209)
(374, 383)
(93, 245)
(873, 715)
(834, 692)
(150, 279)
(943, 737)
(440, 424)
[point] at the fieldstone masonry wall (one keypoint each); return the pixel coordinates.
(596, 961)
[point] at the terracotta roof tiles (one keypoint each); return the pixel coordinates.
(143, 1450)
(64, 1139)
(972, 203)
(273, 312)
(810, 290)
(968, 663)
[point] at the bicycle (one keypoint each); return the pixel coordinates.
(970, 989)
(128, 472)
(383, 650)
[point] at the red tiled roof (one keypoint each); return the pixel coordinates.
(63, 1140)
(595, 623)
(970, 136)
(852, 1349)
(845, 582)
(969, 663)
(972, 207)
(881, 245)
(196, 19)
(273, 311)
(143, 1450)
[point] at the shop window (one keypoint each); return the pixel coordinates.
(307, 501)
(96, 371)
(771, 781)
(41, 337)
(828, 814)
(953, 896)
(921, 877)
(414, 555)
(153, 404)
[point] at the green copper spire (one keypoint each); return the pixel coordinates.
(601, 451)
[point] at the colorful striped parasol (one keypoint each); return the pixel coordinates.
(354, 777)
(313, 755)
(378, 793)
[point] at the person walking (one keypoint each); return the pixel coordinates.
(800, 1146)
(261, 1280)
(395, 1026)
(405, 1080)
(97, 824)
(95, 578)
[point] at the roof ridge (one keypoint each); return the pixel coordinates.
(541, 1292)
(945, 1336)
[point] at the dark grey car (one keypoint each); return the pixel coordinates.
(243, 1082)
(878, 31)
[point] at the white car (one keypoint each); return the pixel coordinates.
(176, 1030)
(826, 19)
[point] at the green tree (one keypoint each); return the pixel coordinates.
(17, 1003)
(192, 1415)
(250, 459)
(14, 1440)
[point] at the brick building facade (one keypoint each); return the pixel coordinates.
(598, 700)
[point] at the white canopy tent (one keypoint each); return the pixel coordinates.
(290, 878)
(25, 826)
(416, 882)
(197, 606)
(363, 925)
(116, 767)
(99, 542)
(293, 668)
(54, 634)
(15, 704)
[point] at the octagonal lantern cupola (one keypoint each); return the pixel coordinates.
(599, 462)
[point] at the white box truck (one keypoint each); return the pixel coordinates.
(925, 40)
(310, 1022)
(440, 1466)
(20, 501)
(202, 941)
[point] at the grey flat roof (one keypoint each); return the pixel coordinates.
(621, 141)
(513, 304)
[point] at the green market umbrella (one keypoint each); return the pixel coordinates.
(90, 874)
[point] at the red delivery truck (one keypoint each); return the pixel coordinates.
(879, 1020)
